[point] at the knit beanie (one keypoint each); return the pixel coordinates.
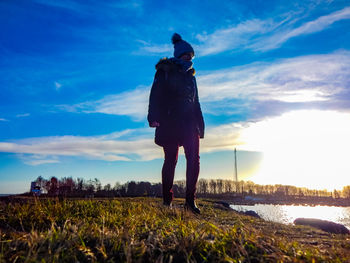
(180, 46)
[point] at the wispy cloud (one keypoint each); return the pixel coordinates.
(3, 119)
(223, 137)
(22, 115)
(38, 159)
(232, 38)
(255, 34)
(221, 40)
(111, 147)
(130, 103)
(276, 40)
(46, 149)
(305, 79)
(57, 86)
(246, 135)
(39, 162)
(151, 49)
(264, 35)
(90, 8)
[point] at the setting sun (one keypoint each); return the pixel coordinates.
(303, 148)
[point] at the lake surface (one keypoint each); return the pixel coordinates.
(286, 214)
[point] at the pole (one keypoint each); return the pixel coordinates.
(236, 174)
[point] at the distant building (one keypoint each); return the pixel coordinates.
(35, 189)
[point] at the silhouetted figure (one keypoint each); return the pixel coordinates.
(175, 112)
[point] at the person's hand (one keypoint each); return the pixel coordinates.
(201, 135)
(154, 124)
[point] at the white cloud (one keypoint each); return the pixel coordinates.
(233, 37)
(230, 38)
(317, 25)
(130, 103)
(305, 79)
(129, 5)
(111, 147)
(305, 136)
(255, 34)
(223, 137)
(58, 86)
(89, 8)
(39, 162)
(301, 79)
(46, 149)
(38, 159)
(161, 49)
(3, 119)
(151, 49)
(300, 147)
(23, 115)
(69, 5)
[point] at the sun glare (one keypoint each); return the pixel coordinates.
(302, 148)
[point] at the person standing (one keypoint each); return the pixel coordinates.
(175, 112)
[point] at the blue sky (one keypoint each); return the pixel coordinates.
(75, 78)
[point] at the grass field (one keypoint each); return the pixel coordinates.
(142, 230)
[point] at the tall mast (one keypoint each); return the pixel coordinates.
(236, 174)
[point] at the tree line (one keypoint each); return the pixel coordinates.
(67, 186)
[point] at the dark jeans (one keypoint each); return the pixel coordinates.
(191, 147)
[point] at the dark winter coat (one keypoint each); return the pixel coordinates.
(174, 104)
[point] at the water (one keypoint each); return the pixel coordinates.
(286, 214)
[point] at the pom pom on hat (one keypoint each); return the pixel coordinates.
(176, 38)
(180, 46)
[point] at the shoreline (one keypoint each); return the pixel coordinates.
(293, 202)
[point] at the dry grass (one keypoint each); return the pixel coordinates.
(142, 230)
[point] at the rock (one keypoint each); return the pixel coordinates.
(247, 213)
(221, 207)
(225, 204)
(324, 225)
(251, 213)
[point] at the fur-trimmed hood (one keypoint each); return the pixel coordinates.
(167, 65)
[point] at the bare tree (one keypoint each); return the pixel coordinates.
(346, 191)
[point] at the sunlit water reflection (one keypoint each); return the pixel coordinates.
(288, 213)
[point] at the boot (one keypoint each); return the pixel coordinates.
(167, 204)
(191, 205)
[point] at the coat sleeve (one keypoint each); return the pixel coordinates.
(199, 115)
(155, 98)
